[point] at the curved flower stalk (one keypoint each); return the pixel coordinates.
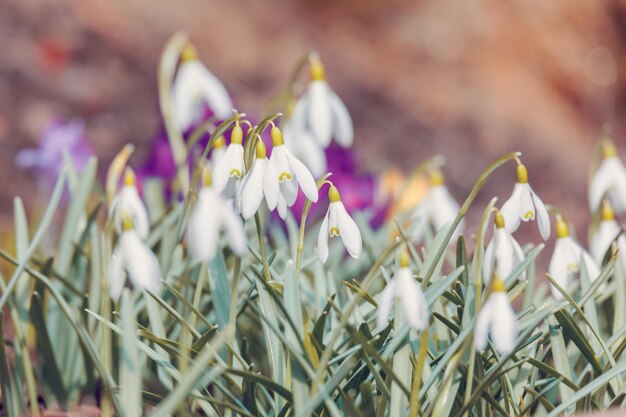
(525, 205)
(338, 222)
(129, 202)
(133, 259)
(283, 174)
(252, 190)
(566, 260)
(320, 113)
(194, 87)
(609, 180)
(503, 253)
(608, 230)
(403, 289)
(438, 209)
(229, 168)
(496, 319)
(210, 215)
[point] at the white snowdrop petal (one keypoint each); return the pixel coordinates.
(343, 131)
(601, 183)
(282, 207)
(141, 264)
(270, 184)
(322, 239)
(592, 268)
(234, 228)
(543, 218)
(518, 254)
(488, 263)
(202, 228)
(128, 201)
(289, 190)
(311, 154)
(305, 179)
(443, 208)
(349, 231)
(503, 253)
(117, 275)
(483, 322)
(558, 268)
(213, 92)
(621, 246)
(184, 109)
(511, 208)
(252, 189)
(319, 115)
(385, 302)
(503, 323)
(411, 297)
(602, 239)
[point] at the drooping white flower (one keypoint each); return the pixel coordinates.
(228, 170)
(503, 253)
(320, 113)
(496, 319)
(609, 180)
(566, 259)
(128, 201)
(133, 259)
(605, 234)
(437, 209)
(210, 215)
(194, 87)
(283, 174)
(252, 189)
(404, 289)
(338, 222)
(525, 205)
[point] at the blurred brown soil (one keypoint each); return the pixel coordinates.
(469, 80)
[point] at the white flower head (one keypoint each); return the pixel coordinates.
(194, 87)
(438, 209)
(283, 174)
(133, 259)
(210, 215)
(304, 147)
(496, 319)
(566, 260)
(503, 253)
(609, 180)
(228, 170)
(252, 189)
(605, 234)
(320, 113)
(525, 205)
(338, 222)
(127, 201)
(404, 289)
(218, 150)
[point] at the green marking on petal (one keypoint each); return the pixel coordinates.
(235, 173)
(334, 231)
(284, 176)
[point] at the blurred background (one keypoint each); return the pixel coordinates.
(469, 80)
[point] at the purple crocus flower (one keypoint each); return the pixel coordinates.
(47, 159)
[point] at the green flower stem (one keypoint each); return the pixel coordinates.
(232, 316)
(266, 268)
(418, 368)
(465, 207)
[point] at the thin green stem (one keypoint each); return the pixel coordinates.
(259, 231)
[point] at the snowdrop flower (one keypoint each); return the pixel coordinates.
(496, 318)
(211, 214)
(503, 253)
(229, 168)
(193, 88)
(252, 190)
(338, 222)
(320, 113)
(438, 208)
(283, 174)
(605, 234)
(525, 205)
(566, 259)
(128, 201)
(133, 259)
(609, 179)
(404, 289)
(304, 147)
